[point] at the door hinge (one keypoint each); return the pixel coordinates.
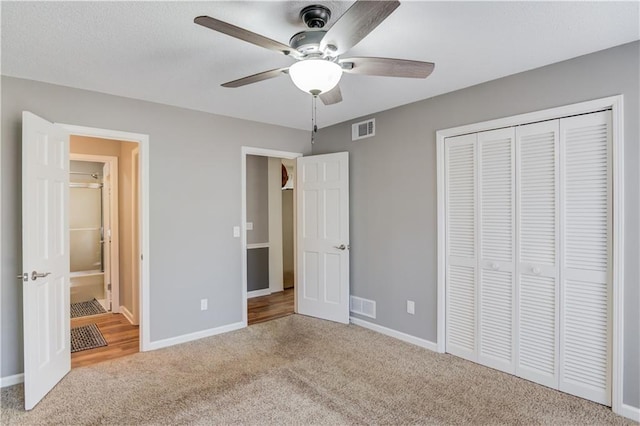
(109, 287)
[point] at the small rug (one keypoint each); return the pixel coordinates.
(84, 309)
(86, 337)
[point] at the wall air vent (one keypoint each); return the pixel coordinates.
(361, 306)
(364, 129)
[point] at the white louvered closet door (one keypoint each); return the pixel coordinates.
(496, 212)
(537, 196)
(461, 261)
(585, 321)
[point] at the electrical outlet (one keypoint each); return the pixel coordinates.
(204, 304)
(411, 307)
(236, 231)
(249, 226)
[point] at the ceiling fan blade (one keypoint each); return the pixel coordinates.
(356, 23)
(256, 77)
(331, 97)
(246, 35)
(387, 67)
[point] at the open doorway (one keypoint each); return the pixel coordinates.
(46, 253)
(268, 231)
(93, 239)
(104, 249)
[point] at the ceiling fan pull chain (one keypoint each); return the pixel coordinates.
(314, 111)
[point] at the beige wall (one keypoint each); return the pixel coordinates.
(287, 238)
(122, 150)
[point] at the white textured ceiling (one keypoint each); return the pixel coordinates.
(154, 51)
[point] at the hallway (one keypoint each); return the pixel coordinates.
(266, 308)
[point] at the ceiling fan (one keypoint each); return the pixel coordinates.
(318, 52)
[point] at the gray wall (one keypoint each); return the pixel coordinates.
(194, 202)
(393, 185)
(257, 199)
(257, 269)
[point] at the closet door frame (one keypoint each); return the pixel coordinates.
(615, 103)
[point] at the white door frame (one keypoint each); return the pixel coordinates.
(114, 246)
(615, 103)
(143, 142)
(135, 242)
(247, 150)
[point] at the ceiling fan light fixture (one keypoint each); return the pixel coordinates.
(315, 76)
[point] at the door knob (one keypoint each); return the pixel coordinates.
(341, 247)
(535, 270)
(495, 266)
(35, 275)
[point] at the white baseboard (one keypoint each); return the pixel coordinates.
(127, 314)
(257, 245)
(258, 293)
(396, 334)
(194, 336)
(630, 412)
(11, 380)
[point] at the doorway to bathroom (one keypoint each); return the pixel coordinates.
(104, 248)
(93, 239)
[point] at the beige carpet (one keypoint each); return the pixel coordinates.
(298, 370)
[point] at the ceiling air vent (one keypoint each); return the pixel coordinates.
(364, 129)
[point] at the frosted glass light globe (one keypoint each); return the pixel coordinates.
(315, 76)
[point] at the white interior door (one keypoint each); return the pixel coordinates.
(461, 259)
(496, 218)
(45, 256)
(538, 251)
(322, 250)
(529, 251)
(586, 273)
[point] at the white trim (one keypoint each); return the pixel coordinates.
(630, 412)
(257, 246)
(427, 344)
(127, 314)
(244, 151)
(194, 336)
(258, 293)
(136, 240)
(442, 249)
(16, 271)
(143, 141)
(533, 117)
(617, 344)
(114, 220)
(616, 105)
(11, 380)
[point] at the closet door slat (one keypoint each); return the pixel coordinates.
(460, 164)
(496, 304)
(585, 366)
(538, 254)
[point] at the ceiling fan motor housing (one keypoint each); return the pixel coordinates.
(307, 42)
(315, 16)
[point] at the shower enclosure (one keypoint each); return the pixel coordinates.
(87, 233)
